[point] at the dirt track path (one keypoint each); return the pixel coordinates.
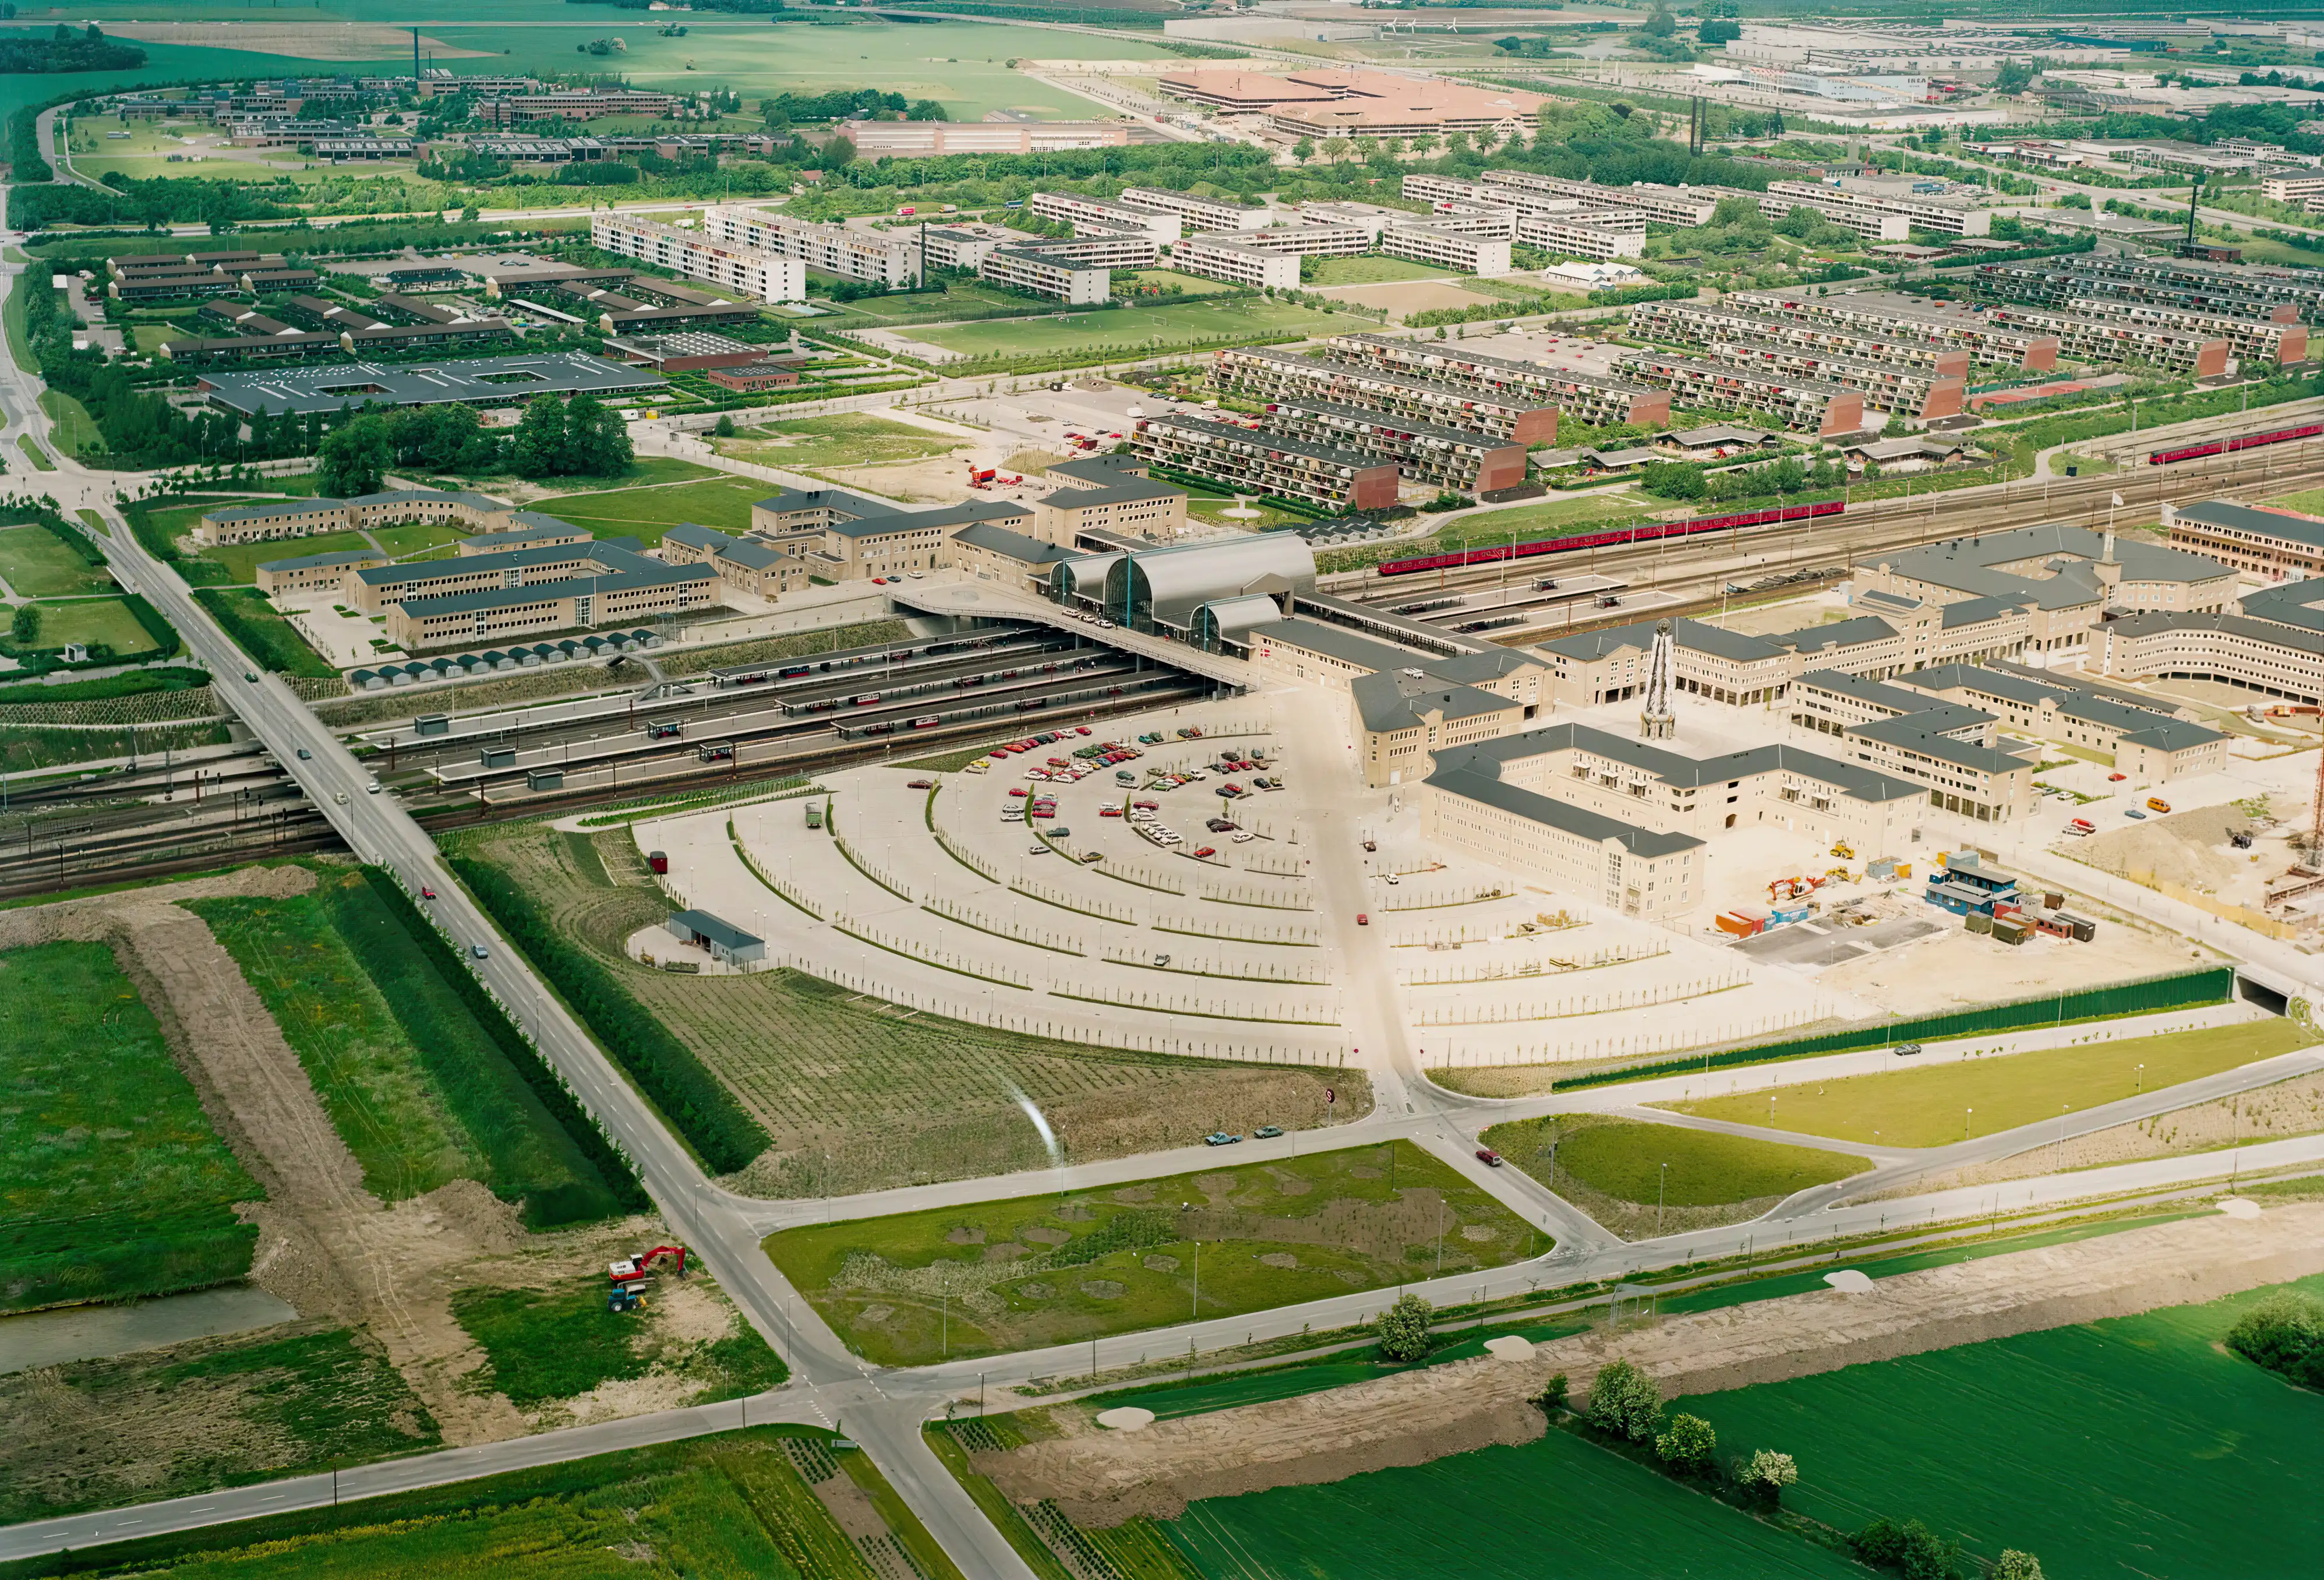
(326, 1245)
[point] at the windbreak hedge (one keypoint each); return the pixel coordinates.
(553, 1195)
(705, 1112)
(2150, 996)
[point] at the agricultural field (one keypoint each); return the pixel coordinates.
(1943, 1103)
(296, 1398)
(413, 1081)
(784, 1502)
(115, 1184)
(543, 1346)
(857, 1099)
(36, 564)
(2138, 1446)
(1130, 328)
(1002, 1276)
(1374, 271)
(1587, 1512)
(849, 439)
(1613, 1169)
(722, 503)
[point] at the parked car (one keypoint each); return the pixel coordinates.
(1204, 852)
(1267, 1132)
(1362, 919)
(1218, 1138)
(920, 784)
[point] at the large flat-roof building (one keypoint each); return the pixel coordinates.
(759, 274)
(1354, 102)
(2274, 544)
(484, 381)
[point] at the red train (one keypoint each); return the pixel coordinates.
(2229, 447)
(1645, 533)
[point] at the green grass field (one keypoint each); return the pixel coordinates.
(1189, 284)
(413, 1083)
(1931, 1107)
(92, 620)
(739, 1503)
(2135, 1446)
(296, 1398)
(1555, 1508)
(552, 1344)
(1130, 327)
(2308, 501)
(1020, 1274)
(848, 439)
(241, 560)
(76, 430)
(273, 641)
(645, 513)
(33, 453)
(115, 1183)
(1623, 1159)
(36, 564)
(1374, 271)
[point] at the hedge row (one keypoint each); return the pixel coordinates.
(2150, 996)
(705, 1112)
(260, 632)
(499, 1126)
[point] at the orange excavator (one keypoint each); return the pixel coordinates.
(629, 1275)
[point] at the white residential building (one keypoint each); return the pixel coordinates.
(1042, 271)
(890, 258)
(1597, 235)
(1073, 208)
(1208, 213)
(762, 276)
(1238, 262)
(1448, 249)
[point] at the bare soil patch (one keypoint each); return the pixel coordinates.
(1411, 296)
(1412, 1417)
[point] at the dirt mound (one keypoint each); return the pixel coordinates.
(1414, 1417)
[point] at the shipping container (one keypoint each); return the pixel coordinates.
(432, 723)
(497, 757)
(658, 861)
(542, 779)
(1976, 922)
(2053, 900)
(1742, 926)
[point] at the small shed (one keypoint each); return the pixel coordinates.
(724, 941)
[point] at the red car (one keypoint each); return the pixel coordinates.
(1148, 805)
(1489, 1158)
(2118, 776)
(1206, 851)
(1109, 811)
(1019, 790)
(1362, 919)
(426, 892)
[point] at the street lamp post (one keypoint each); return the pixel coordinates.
(1662, 1182)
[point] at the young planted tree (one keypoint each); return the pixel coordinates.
(1766, 1473)
(1686, 1443)
(1402, 1329)
(1625, 1401)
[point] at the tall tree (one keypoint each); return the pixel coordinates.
(540, 446)
(354, 458)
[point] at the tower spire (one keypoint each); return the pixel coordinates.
(1656, 722)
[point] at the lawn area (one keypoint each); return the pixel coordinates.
(36, 563)
(758, 1503)
(1929, 1108)
(1188, 284)
(94, 621)
(145, 340)
(33, 453)
(645, 513)
(2135, 1446)
(75, 430)
(2309, 501)
(241, 560)
(162, 528)
(1621, 1160)
(1374, 271)
(1605, 1519)
(649, 471)
(849, 439)
(115, 1183)
(416, 1085)
(1012, 1275)
(409, 541)
(1131, 328)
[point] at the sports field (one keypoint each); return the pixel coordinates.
(36, 564)
(1131, 328)
(112, 1182)
(1943, 1103)
(645, 513)
(1555, 1508)
(1038, 1270)
(2137, 1446)
(92, 622)
(845, 438)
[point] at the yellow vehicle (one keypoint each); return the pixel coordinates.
(1844, 851)
(2157, 804)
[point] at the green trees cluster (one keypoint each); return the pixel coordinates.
(665, 1069)
(137, 427)
(1692, 480)
(2285, 1334)
(67, 51)
(578, 438)
(1402, 1329)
